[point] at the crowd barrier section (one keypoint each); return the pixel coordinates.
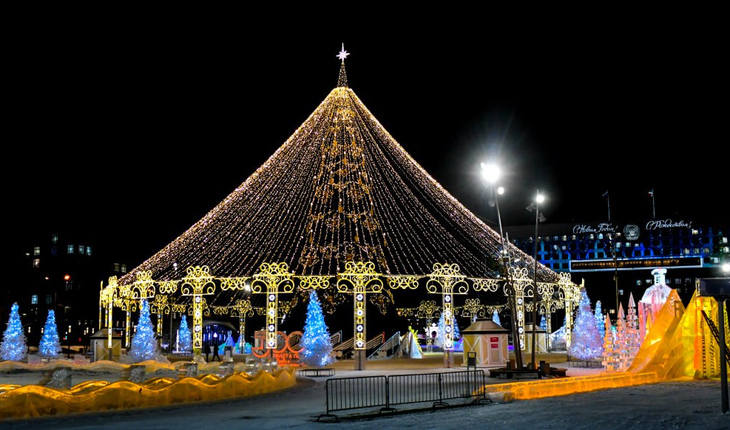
(386, 391)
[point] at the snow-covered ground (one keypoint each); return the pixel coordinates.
(680, 404)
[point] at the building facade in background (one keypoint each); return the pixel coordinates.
(64, 273)
(686, 250)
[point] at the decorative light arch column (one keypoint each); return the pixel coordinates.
(278, 280)
(520, 282)
(362, 279)
(197, 283)
(108, 297)
(242, 309)
(451, 282)
(571, 293)
(128, 305)
(143, 288)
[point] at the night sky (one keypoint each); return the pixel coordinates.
(131, 137)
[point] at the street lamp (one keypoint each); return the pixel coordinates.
(539, 198)
(491, 173)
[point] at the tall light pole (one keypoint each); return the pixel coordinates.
(491, 174)
(539, 198)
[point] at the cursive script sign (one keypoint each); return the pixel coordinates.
(599, 228)
(667, 223)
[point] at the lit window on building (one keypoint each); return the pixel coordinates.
(49, 299)
(82, 249)
(124, 268)
(37, 250)
(88, 250)
(70, 249)
(116, 267)
(54, 238)
(36, 262)
(34, 299)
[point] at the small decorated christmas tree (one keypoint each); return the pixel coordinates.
(13, 346)
(144, 344)
(185, 341)
(586, 343)
(316, 343)
(495, 318)
(50, 345)
(610, 360)
(600, 322)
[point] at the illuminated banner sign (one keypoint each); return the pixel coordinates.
(622, 264)
(608, 227)
(667, 223)
(595, 229)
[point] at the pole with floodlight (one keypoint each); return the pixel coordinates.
(491, 174)
(539, 198)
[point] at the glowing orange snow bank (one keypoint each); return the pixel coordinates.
(536, 389)
(679, 345)
(36, 400)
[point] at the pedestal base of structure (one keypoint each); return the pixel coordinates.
(360, 358)
(448, 359)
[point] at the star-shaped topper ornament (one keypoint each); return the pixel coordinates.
(343, 54)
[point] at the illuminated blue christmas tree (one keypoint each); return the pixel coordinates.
(50, 345)
(144, 344)
(600, 321)
(13, 346)
(185, 342)
(495, 318)
(586, 343)
(316, 343)
(543, 323)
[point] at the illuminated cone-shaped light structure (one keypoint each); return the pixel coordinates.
(341, 204)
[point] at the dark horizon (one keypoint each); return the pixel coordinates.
(140, 143)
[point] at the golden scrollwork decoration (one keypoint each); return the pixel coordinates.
(486, 284)
(219, 310)
(167, 287)
(143, 288)
(406, 312)
(198, 281)
(403, 282)
(428, 309)
(179, 308)
(314, 282)
(160, 305)
(242, 308)
(241, 283)
(360, 273)
(473, 308)
(447, 276)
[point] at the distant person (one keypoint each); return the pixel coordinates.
(215, 353)
(207, 352)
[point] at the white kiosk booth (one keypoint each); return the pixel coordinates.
(488, 340)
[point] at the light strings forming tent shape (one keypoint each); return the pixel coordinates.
(340, 207)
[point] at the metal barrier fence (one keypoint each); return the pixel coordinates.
(386, 391)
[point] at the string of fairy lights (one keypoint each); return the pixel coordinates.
(340, 190)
